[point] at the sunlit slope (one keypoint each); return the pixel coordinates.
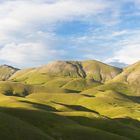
(6, 72)
(130, 77)
(126, 83)
(42, 117)
(108, 103)
(11, 88)
(73, 75)
(99, 71)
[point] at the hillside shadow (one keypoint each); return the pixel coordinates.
(40, 106)
(129, 121)
(135, 99)
(120, 126)
(73, 127)
(86, 95)
(76, 107)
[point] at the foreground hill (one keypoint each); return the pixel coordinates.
(71, 100)
(63, 116)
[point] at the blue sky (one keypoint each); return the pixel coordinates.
(36, 32)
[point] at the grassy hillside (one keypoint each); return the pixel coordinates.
(61, 116)
(71, 100)
(130, 77)
(11, 88)
(73, 75)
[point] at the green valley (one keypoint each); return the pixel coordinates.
(70, 100)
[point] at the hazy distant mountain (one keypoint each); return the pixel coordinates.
(118, 64)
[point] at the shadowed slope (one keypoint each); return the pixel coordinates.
(55, 125)
(13, 128)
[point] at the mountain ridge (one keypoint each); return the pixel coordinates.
(77, 64)
(73, 100)
(74, 68)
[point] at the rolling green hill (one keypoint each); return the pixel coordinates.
(130, 77)
(70, 100)
(72, 75)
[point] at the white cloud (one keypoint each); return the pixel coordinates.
(14, 15)
(28, 21)
(118, 33)
(129, 50)
(26, 53)
(127, 55)
(26, 28)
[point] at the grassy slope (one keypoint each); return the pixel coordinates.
(71, 75)
(99, 71)
(105, 109)
(47, 120)
(10, 88)
(128, 80)
(109, 103)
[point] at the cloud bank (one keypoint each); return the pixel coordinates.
(29, 31)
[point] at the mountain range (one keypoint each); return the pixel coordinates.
(70, 100)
